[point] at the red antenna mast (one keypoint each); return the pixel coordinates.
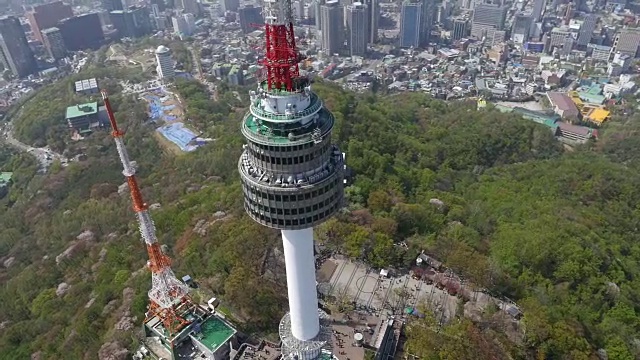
(281, 55)
(168, 295)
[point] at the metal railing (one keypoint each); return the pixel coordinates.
(261, 137)
(316, 105)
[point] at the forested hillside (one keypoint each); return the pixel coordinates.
(554, 231)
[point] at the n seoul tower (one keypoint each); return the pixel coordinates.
(292, 176)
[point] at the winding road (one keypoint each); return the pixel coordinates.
(44, 155)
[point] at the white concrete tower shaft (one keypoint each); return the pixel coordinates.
(301, 282)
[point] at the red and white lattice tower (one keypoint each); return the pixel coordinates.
(167, 293)
(281, 56)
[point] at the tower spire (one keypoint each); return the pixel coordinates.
(281, 55)
(167, 293)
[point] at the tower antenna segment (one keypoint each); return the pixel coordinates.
(281, 56)
(167, 294)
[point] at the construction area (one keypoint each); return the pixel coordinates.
(163, 106)
(143, 58)
(165, 109)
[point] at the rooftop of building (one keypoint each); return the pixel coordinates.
(234, 70)
(50, 30)
(5, 177)
(86, 84)
(82, 110)
(162, 49)
(598, 115)
(577, 129)
(204, 331)
(214, 332)
(561, 100)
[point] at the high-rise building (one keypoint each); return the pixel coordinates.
(180, 26)
(292, 177)
(105, 19)
(331, 14)
(133, 22)
(112, 5)
(47, 15)
(155, 10)
(586, 29)
(82, 32)
(165, 63)
(557, 37)
(53, 43)
(567, 46)
(162, 6)
(443, 12)
(159, 22)
(373, 15)
(428, 15)
(487, 18)
(190, 7)
(297, 8)
(520, 29)
(230, 5)
(536, 13)
(357, 29)
(411, 24)
(459, 28)
(190, 20)
(250, 18)
(627, 42)
(15, 53)
(318, 12)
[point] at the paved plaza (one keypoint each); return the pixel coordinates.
(384, 296)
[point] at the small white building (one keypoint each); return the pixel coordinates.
(86, 86)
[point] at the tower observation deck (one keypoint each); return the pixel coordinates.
(292, 176)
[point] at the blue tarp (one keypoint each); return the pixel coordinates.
(156, 109)
(178, 134)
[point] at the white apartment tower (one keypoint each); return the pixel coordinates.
(165, 63)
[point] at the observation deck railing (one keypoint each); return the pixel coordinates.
(315, 106)
(259, 133)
